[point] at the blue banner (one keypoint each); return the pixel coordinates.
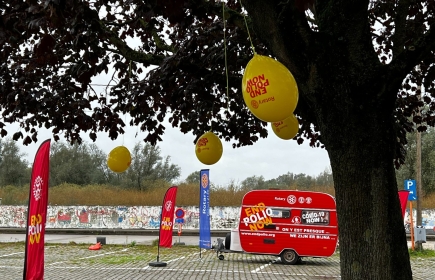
(204, 210)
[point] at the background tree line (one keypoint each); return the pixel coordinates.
(86, 164)
(285, 181)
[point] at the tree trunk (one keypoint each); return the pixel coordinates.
(371, 232)
(344, 92)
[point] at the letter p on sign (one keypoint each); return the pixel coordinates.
(411, 186)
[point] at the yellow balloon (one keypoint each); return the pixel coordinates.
(269, 89)
(208, 148)
(286, 129)
(119, 159)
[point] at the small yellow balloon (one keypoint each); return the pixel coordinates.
(119, 159)
(269, 89)
(286, 129)
(208, 148)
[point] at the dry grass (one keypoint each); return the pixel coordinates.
(428, 202)
(187, 195)
(11, 195)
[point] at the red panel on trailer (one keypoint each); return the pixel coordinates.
(272, 221)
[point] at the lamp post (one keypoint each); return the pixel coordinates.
(418, 167)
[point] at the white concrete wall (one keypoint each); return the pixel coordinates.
(144, 217)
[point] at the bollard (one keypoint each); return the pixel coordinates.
(102, 240)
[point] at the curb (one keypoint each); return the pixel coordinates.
(144, 232)
(114, 231)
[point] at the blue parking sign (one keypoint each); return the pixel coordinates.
(411, 186)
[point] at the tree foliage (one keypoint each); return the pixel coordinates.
(360, 67)
(288, 181)
(192, 178)
(51, 51)
(14, 169)
(147, 167)
(408, 169)
(77, 164)
(254, 183)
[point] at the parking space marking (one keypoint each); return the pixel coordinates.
(9, 266)
(146, 267)
(11, 254)
(91, 257)
(193, 254)
(96, 268)
(264, 266)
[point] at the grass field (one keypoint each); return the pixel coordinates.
(188, 194)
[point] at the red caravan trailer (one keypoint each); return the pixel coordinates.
(285, 223)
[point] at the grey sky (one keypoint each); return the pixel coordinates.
(268, 157)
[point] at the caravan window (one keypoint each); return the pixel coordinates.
(315, 217)
(280, 213)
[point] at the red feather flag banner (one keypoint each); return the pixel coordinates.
(37, 215)
(403, 196)
(166, 223)
(167, 220)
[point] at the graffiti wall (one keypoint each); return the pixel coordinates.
(141, 217)
(428, 219)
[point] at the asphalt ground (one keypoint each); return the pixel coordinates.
(69, 257)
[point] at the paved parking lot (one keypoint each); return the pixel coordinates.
(130, 261)
(182, 262)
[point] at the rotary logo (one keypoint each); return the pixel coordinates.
(37, 188)
(254, 104)
(168, 205)
(204, 181)
(291, 199)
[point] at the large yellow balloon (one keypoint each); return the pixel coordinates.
(269, 89)
(286, 129)
(119, 159)
(208, 148)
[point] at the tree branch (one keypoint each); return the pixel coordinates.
(215, 8)
(399, 37)
(128, 53)
(271, 21)
(409, 57)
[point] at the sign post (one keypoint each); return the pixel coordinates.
(179, 214)
(411, 186)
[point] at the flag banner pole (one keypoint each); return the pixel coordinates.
(166, 224)
(412, 226)
(37, 214)
(204, 211)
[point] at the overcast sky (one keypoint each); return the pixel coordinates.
(270, 157)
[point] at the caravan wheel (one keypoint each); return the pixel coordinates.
(289, 257)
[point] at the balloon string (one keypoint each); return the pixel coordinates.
(249, 34)
(211, 121)
(129, 91)
(225, 54)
